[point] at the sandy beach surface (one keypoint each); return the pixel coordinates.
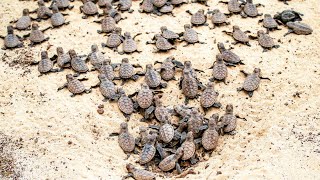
(46, 134)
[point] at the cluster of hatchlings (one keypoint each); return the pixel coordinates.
(164, 145)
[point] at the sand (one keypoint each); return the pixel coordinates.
(50, 135)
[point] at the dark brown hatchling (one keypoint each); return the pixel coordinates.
(182, 110)
(269, 23)
(298, 28)
(96, 57)
(230, 58)
(178, 2)
(188, 67)
(114, 40)
(88, 9)
(153, 78)
(209, 97)
(265, 41)
(188, 147)
(166, 131)
(63, 4)
(210, 136)
(129, 45)
(113, 13)
(148, 151)
(228, 121)
(252, 81)
(195, 122)
(43, 12)
(287, 16)
(139, 174)
(107, 88)
(159, 3)
(146, 6)
(190, 36)
(171, 161)
(74, 85)
(36, 36)
(234, 7)
(239, 36)
(189, 86)
(143, 136)
(107, 69)
(220, 70)
(168, 68)
(168, 34)
(45, 64)
(63, 59)
(77, 63)
(166, 9)
(250, 9)
(218, 18)
(198, 18)
(108, 24)
(125, 5)
(204, 2)
(125, 104)
(127, 72)
(144, 99)
(125, 139)
(160, 111)
(11, 40)
(57, 18)
(162, 44)
(24, 22)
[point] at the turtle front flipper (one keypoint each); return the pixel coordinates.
(178, 168)
(289, 32)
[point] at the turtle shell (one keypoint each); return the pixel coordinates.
(89, 8)
(57, 19)
(269, 22)
(152, 78)
(125, 105)
(145, 98)
(210, 139)
(108, 89)
(36, 36)
(169, 34)
(23, 23)
(229, 56)
(250, 10)
(229, 121)
(166, 133)
(108, 71)
(168, 163)
(208, 98)
(163, 44)
(113, 41)
(125, 5)
(191, 36)
(102, 3)
(11, 41)
(220, 71)
(96, 58)
(190, 87)
(166, 8)
(141, 174)
(75, 86)
(108, 24)
(189, 149)
(218, 18)
(126, 71)
(159, 3)
(159, 112)
(167, 71)
(45, 65)
(176, 2)
(126, 142)
(147, 6)
(265, 41)
(234, 6)
(129, 45)
(194, 123)
(61, 4)
(63, 59)
(43, 12)
(147, 153)
(240, 36)
(252, 82)
(79, 65)
(198, 18)
(300, 28)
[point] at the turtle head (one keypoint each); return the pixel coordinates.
(163, 28)
(106, 12)
(152, 138)
(125, 60)
(44, 55)
(221, 47)
(187, 64)
(118, 30)
(149, 66)
(123, 127)
(142, 129)
(157, 36)
(236, 28)
(144, 86)
(55, 8)
(169, 59)
(229, 108)
(219, 58)
(94, 48)
(127, 35)
(69, 77)
(72, 53)
(267, 15)
(194, 111)
(187, 74)
(121, 92)
(215, 11)
(249, 1)
(201, 11)
(25, 12)
(157, 100)
(190, 136)
(179, 152)
(213, 120)
(260, 32)
(130, 168)
(10, 29)
(187, 26)
(102, 77)
(59, 50)
(41, 3)
(257, 71)
(210, 85)
(35, 26)
(106, 62)
(108, 6)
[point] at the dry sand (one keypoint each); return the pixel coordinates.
(54, 136)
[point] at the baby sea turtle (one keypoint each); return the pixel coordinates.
(103, 3)
(220, 70)
(178, 2)
(204, 2)
(148, 151)
(218, 18)
(160, 111)
(239, 36)
(159, 3)
(125, 139)
(36, 35)
(88, 8)
(144, 99)
(162, 44)
(45, 64)
(166, 9)
(139, 174)
(127, 72)
(234, 7)
(168, 68)
(74, 85)
(107, 88)
(96, 57)
(188, 67)
(11, 41)
(171, 161)
(210, 136)
(195, 122)
(228, 56)
(129, 45)
(63, 59)
(113, 12)
(43, 12)
(168, 34)
(209, 97)
(146, 6)
(107, 69)
(108, 24)
(252, 81)
(287, 16)
(143, 136)
(114, 40)
(57, 18)
(265, 41)
(198, 18)
(77, 63)
(189, 86)
(298, 28)
(182, 110)
(166, 131)
(269, 23)
(24, 22)
(179, 134)
(228, 120)
(153, 78)
(188, 147)
(125, 5)
(125, 104)
(190, 36)
(250, 9)
(63, 4)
